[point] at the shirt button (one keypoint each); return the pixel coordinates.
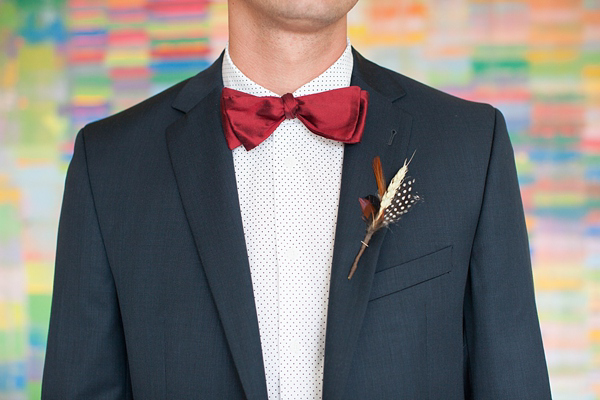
(290, 162)
(291, 253)
(295, 346)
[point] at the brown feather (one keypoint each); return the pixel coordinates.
(367, 208)
(378, 170)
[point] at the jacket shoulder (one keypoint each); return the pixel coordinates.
(417, 97)
(442, 122)
(443, 114)
(428, 99)
(144, 116)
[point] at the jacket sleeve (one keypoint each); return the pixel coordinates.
(505, 354)
(85, 356)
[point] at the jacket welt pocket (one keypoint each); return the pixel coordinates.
(412, 272)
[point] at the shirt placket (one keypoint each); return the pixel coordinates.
(293, 377)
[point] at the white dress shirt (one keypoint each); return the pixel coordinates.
(288, 189)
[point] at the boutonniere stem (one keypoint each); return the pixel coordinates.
(387, 207)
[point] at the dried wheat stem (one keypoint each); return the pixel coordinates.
(365, 244)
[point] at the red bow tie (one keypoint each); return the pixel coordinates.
(337, 114)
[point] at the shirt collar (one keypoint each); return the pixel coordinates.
(338, 75)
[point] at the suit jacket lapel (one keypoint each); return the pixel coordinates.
(348, 298)
(205, 174)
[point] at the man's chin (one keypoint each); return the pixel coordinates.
(303, 15)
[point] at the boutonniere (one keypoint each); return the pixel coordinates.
(388, 206)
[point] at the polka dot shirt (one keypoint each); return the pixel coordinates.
(288, 190)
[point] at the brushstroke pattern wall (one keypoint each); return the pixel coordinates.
(65, 63)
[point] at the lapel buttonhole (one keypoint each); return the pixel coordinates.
(393, 134)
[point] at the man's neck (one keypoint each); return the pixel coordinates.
(278, 59)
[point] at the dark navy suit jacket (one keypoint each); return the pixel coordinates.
(152, 291)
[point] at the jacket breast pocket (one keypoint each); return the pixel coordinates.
(412, 272)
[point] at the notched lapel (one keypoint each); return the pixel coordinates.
(348, 298)
(205, 175)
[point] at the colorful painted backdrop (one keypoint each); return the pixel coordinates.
(64, 63)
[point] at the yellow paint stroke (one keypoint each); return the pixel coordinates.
(39, 277)
(12, 315)
(10, 74)
(11, 196)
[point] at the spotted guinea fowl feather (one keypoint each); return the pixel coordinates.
(400, 203)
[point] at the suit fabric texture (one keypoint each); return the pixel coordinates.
(152, 290)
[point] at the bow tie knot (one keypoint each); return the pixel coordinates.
(290, 105)
(337, 114)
